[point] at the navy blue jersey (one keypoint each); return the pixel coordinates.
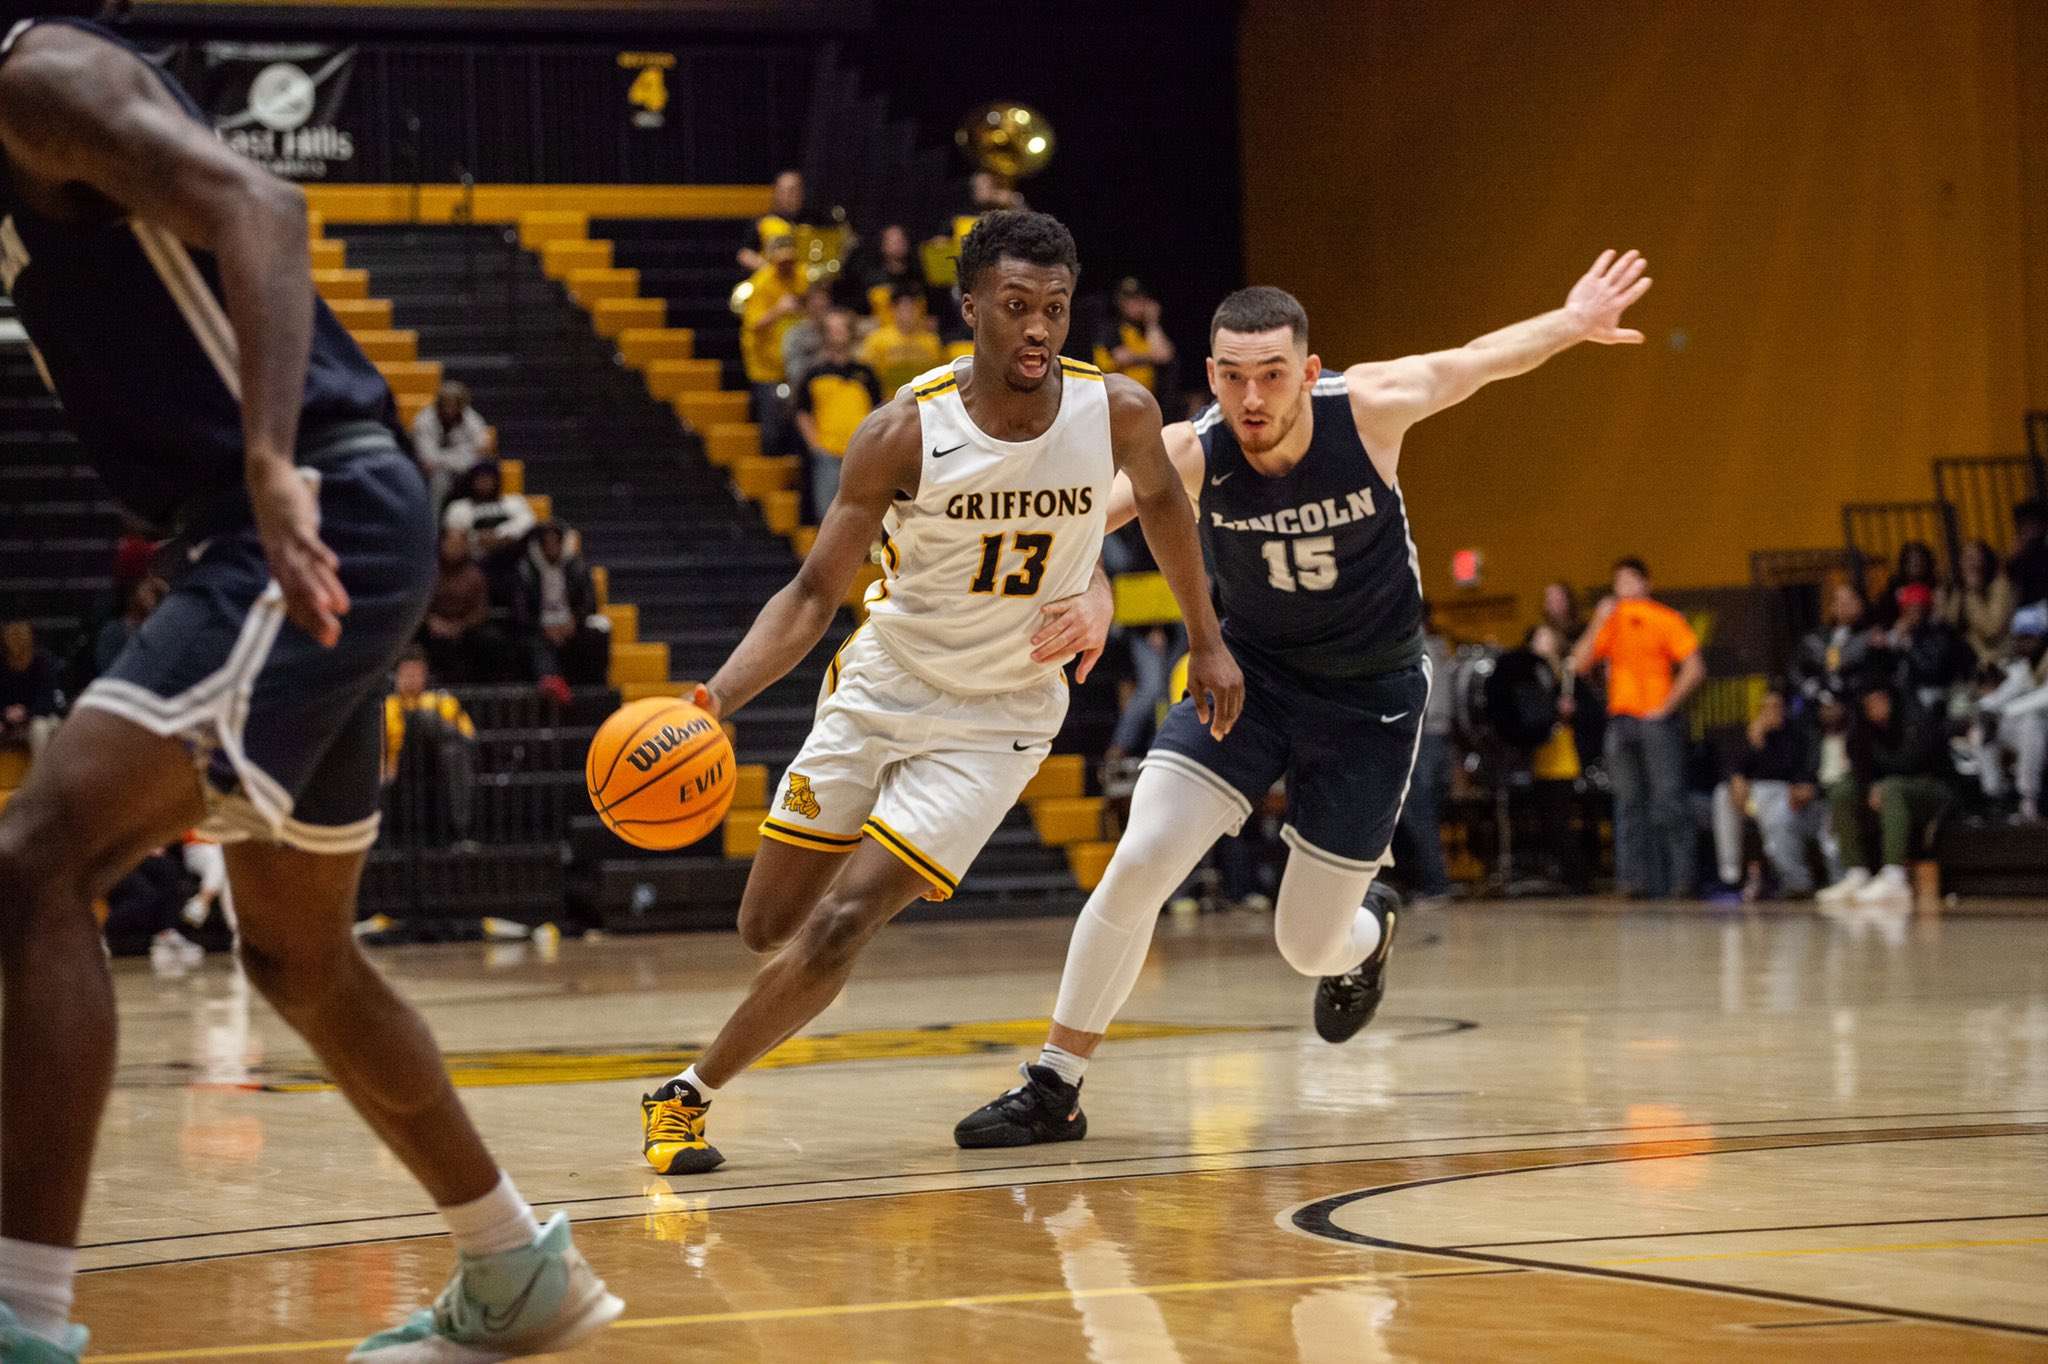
(131, 332)
(1314, 570)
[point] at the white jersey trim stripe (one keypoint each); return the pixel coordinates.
(202, 311)
(1331, 383)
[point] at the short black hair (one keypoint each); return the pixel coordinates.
(1034, 238)
(413, 654)
(905, 289)
(1632, 563)
(1260, 308)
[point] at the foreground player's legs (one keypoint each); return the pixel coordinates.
(104, 794)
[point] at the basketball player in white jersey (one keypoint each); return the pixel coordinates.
(987, 482)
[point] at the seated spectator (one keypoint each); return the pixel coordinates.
(572, 641)
(1134, 344)
(2028, 566)
(31, 707)
(144, 596)
(460, 643)
(903, 347)
(1900, 772)
(787, 212)
(774, 303)
(1776, 780)
(1556, 768)
(1834, 660)
(831, 401)
(1153, 651)
(1916, 568)
(429, 754)
(495, 523)
(2012, 718)
(1979, 604)
(449, 438)
(1929, 657)
(1419, 836)
(895, 267)
(806, 340)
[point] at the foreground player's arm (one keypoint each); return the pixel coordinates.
(883, 459)
(1184, 452)
(1389, 396)
(1077, 625)
(76, 112)
(1162, 502)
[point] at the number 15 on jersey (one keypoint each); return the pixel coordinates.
(1313, 565)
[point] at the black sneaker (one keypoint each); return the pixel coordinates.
(1044, 1108)
(1346, 1003)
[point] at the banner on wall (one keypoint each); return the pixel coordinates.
(283, 105)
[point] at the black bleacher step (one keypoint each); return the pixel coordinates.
(728, 233)
(63, 559)
(46, 483)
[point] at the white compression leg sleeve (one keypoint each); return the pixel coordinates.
(1175, 817)
(1320, 919)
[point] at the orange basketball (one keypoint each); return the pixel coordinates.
(661, 773)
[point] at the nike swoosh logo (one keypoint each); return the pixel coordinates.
(496, 1323)
(1390, 719)
(941, 454)
(1219, 482)
(1024, 748)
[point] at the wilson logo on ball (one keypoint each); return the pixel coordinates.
(649, 753)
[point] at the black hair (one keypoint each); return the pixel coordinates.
(1034, 238)
(1632, 563)
(14, 11)
(413, 654)
(1260, 308)
(905, 290)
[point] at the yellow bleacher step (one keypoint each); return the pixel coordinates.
(1063, 776)
(742, 833)
(612, 316)
(625, 619)
(328, 254)
(389, 345)
(640, 345)
(558, 258)
(362, 314)
(750, 786)
(316, 224)
(602, 581)
(409, 405)
(639, 663)
(667, 379)
(764, 474)
(1088, 861)
(13, 766)
(588, 287)
(512, 475)
(706, 410)
(334, 284)
(781, 512)
(541, 226)
(1071, 819)
(542, 504)
(801, 539)
(412, 376)
(728, 442)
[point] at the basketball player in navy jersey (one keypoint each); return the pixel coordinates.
(1295, 476)
(164, 284)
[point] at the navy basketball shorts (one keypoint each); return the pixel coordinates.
(1346, 750)
(288, 735)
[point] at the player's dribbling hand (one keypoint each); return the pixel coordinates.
(306, 570)
(1074, 625)
(1604, 292)
(1217, 687)
(702, 699)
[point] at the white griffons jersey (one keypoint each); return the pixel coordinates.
(998, 530)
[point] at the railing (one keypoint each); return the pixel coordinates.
(1983, 490)
(1876, 531)
(1778, 568)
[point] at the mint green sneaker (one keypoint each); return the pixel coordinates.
(533, 1301)
(18, 1345)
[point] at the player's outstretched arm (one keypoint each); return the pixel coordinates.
(1184, 450)
(1162, 504)
(77, 112)
(1389, 396)
(883, 459)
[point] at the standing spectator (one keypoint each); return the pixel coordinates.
(495, 523)
(787, 212)
(774, 302)
(1561, 610)
(1133, 343)
(558, 611)
(831, 401)
(895, 268)
(1653, 665)
(1916, 568)
(1929, 658)
(2028, 566)
(1834, 660)
(30, 703)
(1421, 828)
(903, 347)
(1979, 604)
(144, 596)
(806, 340)
(449, 438)
(1153, 651)
(429, 733)
(1775, 779)
(1900, 771)
(457, 637)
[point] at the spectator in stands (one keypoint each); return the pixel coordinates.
(1153, 651)
(1833, 660)
(895, 267)
(1979, 604)
(449, 438)
(1775, 779)
(144, 596)
(1561, 610)
(1916, 568)
(457, 636)
(2028, 566)
(787, 212)
(558, 611)
(2012, 717)
(1133, 343)
(987, 192)
(1929, 658)
(805, 341)
(774, 303)
(1420, 832)
(831, 401)
(1653, 665)
(31, 705)
(1899, 757)
(428, 733)
(903, 347)
(496, 523)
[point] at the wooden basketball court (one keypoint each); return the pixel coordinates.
(1575, 1132)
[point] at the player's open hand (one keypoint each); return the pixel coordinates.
(306, 570)
(1600, 297)
(1216, 686)
(1075, 625)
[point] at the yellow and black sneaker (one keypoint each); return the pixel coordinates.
(672, 1118)
(1346, 1003)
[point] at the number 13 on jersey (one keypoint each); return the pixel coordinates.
(1030, 574)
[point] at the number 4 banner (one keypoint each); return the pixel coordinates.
(647, 94)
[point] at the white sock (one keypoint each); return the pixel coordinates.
(1365, 933)
(35, 1281)
(1063, 1063)
(697, 1082)
(499, 1221)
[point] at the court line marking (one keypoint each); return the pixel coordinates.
(1825, 1250)
(1315, 1219)
(1809, 1325)
(1749, 1231)
(1072, 1164)
(852, 1309)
